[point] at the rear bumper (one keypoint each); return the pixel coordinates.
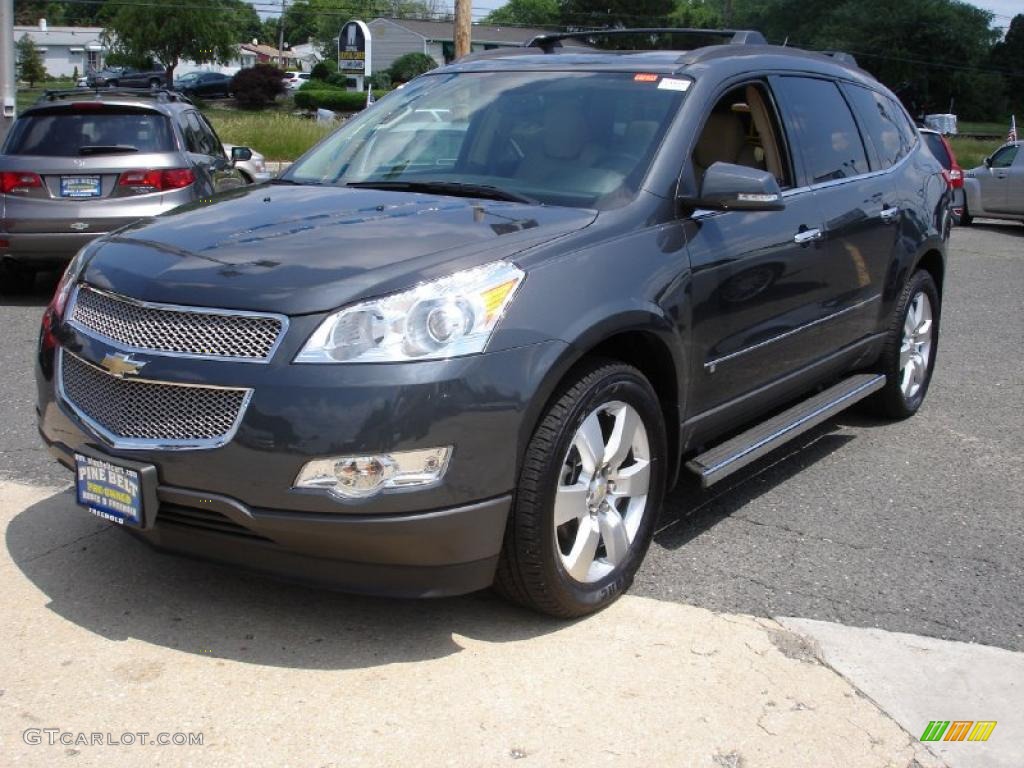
(44, 248)
(445, 552)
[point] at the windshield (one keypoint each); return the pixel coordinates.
(188, 78)
(580, 139)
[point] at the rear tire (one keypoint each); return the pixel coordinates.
(607, 504)
(965, 218)
(911, 344)
(16, 279)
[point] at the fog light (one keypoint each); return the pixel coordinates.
(358, 477)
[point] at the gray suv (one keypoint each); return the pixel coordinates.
(477, 333)
(77, 165)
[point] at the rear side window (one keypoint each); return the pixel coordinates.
(938, 148)
(884, 124)
(73, 134)
(822, 129)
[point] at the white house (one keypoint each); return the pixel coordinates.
(396, 37)
(65, 48)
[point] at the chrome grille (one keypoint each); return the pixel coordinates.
(177, 330)
(140, 413)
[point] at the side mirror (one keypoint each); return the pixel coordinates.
(728, 187)
(240, 154)
(988, 162)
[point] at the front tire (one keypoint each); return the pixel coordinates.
(908, 357)
(589, 492)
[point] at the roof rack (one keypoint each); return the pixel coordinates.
(548, 43)
(160, 94)
(845, 58)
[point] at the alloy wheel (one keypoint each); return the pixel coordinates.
(916, 348)
(601, 496)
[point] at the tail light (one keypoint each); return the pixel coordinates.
(14, 182)
(157, 180)
(956, 177)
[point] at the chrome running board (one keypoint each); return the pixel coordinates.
(734, 454)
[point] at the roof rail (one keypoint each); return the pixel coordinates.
(160, 94)
(548, 43)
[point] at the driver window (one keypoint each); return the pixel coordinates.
(1004, 157)
(743, 129)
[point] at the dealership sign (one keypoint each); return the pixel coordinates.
(354, 48)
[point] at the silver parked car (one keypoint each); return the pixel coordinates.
(995, 190)
(77, 165)
(254, 170)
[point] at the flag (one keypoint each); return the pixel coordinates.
(1012, 135)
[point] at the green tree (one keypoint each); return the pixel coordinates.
(246, 21)
(1008, 55)
(204, 30)
(931, 52)
(583, 14)
(527, 13)
(300, 23)
(30, 62)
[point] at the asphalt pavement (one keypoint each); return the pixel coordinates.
(910, 527)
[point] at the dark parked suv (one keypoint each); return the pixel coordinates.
(474, 335)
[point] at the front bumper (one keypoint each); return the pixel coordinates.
(235, 503)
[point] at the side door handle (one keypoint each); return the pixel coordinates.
(889, 214)
(807, 236)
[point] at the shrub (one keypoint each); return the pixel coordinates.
(333, 99)
(405, 68)
(257, 86)
(320, 71)
(380, 81)
(340, 80)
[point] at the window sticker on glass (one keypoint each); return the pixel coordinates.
(673, 84)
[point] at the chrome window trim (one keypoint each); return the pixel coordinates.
(710, 365)
(140, 444)
(93, 334)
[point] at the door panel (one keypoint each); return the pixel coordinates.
(757, 297)
(995, 185)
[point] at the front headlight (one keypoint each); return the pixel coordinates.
(443, 318)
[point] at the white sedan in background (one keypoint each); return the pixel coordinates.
(253, 170)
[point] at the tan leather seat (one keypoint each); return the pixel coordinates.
(564, 139)
(721, 141)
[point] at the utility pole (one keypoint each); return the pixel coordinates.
(280, 38)
(463, 27)
(8, 80)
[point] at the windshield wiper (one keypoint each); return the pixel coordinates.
(454, 188)
(106, 149)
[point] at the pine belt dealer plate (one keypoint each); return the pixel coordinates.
(109, 491)
(80, 186)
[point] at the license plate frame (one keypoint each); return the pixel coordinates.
(121, 492)
(81, 187)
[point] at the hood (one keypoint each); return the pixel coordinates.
(304, 249)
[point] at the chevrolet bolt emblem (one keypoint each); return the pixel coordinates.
(122, 365)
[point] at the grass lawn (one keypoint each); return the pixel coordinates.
(970, 153)
(26, 97)
(277, 135)
(996, 129)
